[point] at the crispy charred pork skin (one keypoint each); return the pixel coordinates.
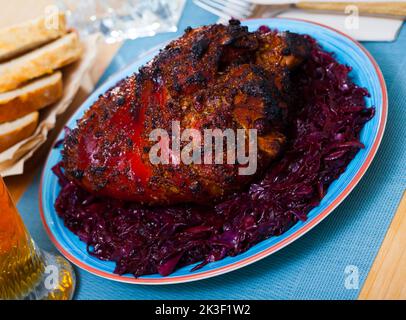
(213, 77)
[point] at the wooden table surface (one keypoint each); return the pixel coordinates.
(387, 277)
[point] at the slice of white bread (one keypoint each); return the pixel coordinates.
(39, 62)
(32, 97)
(23, 37)
(17, 130)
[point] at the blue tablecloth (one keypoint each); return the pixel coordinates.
(312, 267)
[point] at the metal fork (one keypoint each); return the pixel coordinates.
(226, 9)
(242, 9)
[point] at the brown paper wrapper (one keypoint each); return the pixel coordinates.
(12, 160)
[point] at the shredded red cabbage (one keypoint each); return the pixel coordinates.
(323, 139)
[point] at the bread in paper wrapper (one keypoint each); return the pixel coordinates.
(12, 160)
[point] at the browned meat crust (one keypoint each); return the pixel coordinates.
(213, 77)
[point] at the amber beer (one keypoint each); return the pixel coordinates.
(26, 272)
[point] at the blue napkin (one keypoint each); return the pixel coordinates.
(330, 262)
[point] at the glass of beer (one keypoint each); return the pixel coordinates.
(26, 272)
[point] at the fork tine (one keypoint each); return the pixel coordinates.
(241, 3)
(212, 10)
(233, 5)
(228, 8)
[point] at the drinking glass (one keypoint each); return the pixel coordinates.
(117, 20)
(26, 272)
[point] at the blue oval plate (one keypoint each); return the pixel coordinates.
(366, 73)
